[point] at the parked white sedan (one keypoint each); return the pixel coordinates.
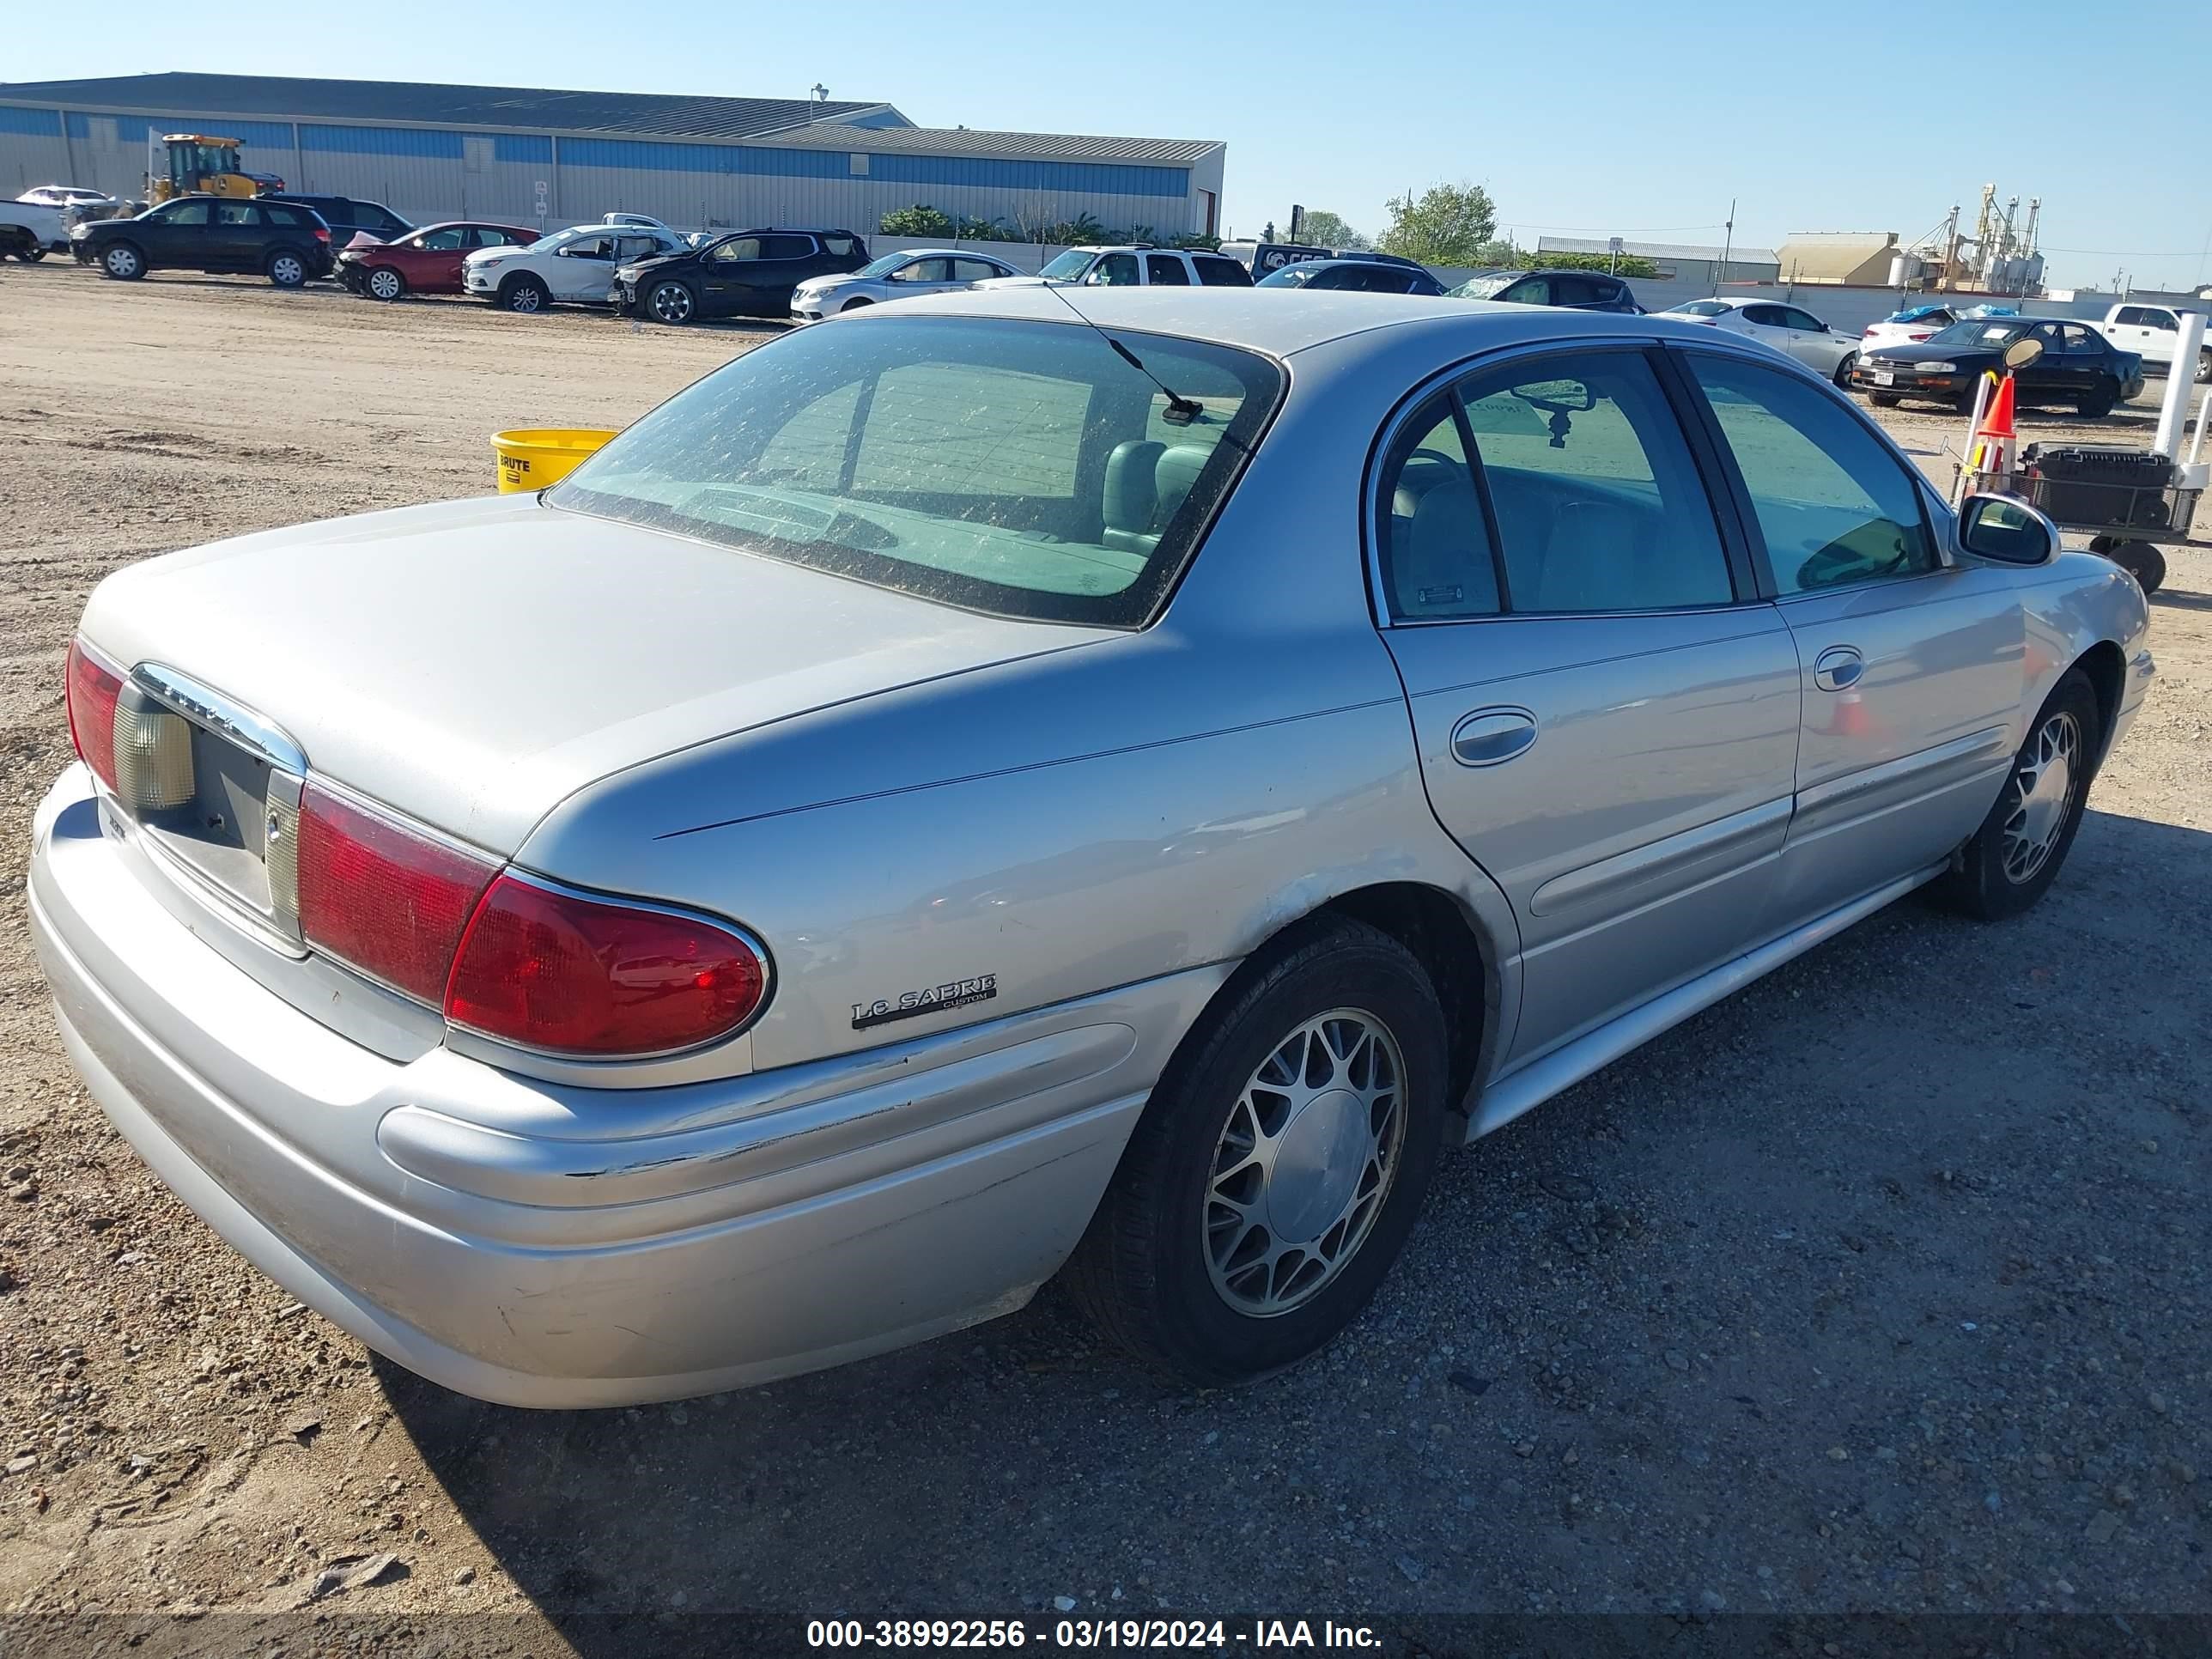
(907, 275)
(1790, 329)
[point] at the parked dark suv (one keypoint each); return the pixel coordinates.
(347, 215)
(747, 273)
(285, 242)
(1576, 290)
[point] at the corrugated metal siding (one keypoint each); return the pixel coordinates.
(1076, 178)
(525, 148)
(645, 157)
(380, 141)
(28, 123)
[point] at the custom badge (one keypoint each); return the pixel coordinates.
(930, 999)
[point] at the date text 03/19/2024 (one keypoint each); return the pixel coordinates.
(1088, 1634)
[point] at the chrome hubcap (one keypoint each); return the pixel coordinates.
(1304, 1163)
(2042, 791)
(672, 304)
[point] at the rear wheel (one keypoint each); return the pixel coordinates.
(123, 262)
(524, 294)
(2205, 365)
(2100, 403)
(286, 269)
(1883, 399)
(1279, 1163)
(33, 254)
(672, 303)
(383, 282)
(2017, 852)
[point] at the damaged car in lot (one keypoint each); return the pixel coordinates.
(980, 792)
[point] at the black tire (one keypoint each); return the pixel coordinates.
(2145, 563)
(123, 261)
(1884, 399)
(1992, 879)
(286, 268)
(2100, 404)
(2204, 366)
(384, 282)
(526, 294)
(670, 302)
(31, 255)
(1841, 377)
(1146, 1270)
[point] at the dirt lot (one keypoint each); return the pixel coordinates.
(1880, 1289)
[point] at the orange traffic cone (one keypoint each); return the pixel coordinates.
(1997, 441)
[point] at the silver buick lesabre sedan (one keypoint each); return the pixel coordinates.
(975, 794)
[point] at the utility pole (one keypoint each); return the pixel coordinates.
(1727, 246)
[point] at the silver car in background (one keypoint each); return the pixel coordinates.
(907, 275)
(975, 793)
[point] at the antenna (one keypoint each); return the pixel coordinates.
(1180, 411)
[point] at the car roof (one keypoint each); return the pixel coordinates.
(947, 253)
(1270, 323)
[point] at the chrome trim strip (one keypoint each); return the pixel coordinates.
(208, 707)
(1658, 858)
(1538, 1081)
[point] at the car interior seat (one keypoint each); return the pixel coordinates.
(1146, 483)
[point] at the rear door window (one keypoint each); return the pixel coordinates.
(443, 242)
(1215, 271)
(973, 271)
(1165, 271)
(236, 213)
(786, 247)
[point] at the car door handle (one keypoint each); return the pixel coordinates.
(1490, 736)
(1837, 668)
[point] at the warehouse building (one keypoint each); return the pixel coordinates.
(430, 152)
(1679, 261)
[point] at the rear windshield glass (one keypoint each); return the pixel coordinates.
(1019, 468)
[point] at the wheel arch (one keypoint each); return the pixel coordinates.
(2106, 669)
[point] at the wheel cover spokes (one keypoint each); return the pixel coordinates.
(385, 284)
(672, 304)
(1304, 1163)
(2040, 796)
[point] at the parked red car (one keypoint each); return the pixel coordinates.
(425, 261)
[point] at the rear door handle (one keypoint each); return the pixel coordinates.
(1837, 668)
(1490, 736)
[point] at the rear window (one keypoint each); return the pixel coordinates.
(1018, 468)
(1215, 271)
(281, 213)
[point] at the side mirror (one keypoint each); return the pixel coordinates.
(2021, 353)
(2007, 530)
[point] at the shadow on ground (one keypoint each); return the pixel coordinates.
(1658, 1334)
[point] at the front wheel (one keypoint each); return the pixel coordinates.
(1843, 376)
(287, 269)
(124, 263)
(671, 303)
(33, 254)
(524, 294)
(1883, 399)
(1279, 1163)
(383, 282)
(854, 305)
(2017, 852)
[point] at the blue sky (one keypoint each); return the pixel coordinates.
(1595, 119)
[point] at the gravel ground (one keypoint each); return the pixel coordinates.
(1879, 1288)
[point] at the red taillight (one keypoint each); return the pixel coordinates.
(1919, 333)
(322, 233)
(388, 899)
(554, 970)
(92, 689)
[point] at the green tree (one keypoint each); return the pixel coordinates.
(1500, 252)
(1327, 229)
(1448, 225)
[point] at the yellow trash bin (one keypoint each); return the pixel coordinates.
(531, 457)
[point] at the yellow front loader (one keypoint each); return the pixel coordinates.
(202, 165)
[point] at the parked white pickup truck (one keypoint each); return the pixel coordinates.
(2151, 332)
(31, 230)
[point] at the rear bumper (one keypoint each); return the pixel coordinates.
(552, 1246)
